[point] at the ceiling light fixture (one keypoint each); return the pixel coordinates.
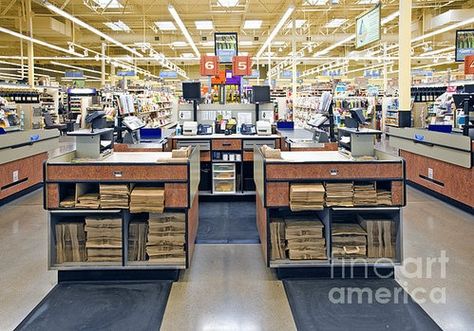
(335, 23)
(252, 24)
(118, 26)
(77, 21)
(109, 4)
(185, 32)
(166, 26)
(299, 24)
(204, 25)
(40, 42)
(277, 28)
(228, 3)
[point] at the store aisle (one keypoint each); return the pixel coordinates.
(228, 288)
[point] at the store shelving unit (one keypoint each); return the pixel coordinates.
(178, 178)
(273, 180)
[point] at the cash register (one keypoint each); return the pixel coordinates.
(133, 125)
(190, 128)
(264, 128)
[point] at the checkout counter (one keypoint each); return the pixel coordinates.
(437, 162)
(22, 154)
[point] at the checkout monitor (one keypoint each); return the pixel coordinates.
(261, 94)
(192, 91)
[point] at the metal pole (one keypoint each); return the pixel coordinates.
(404, 63)
(293, 46)
(102, 71)
(31, 60)
(269, 66)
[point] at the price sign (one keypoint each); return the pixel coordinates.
(469, 65)
(241, 66)
(209, 65)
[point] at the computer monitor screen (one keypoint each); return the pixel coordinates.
(261, 94)
(358, 115)
(192, 91)
(459, 100)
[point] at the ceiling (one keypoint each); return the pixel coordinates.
(139, 17)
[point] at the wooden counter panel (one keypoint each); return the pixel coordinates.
(193, 223)
(30, 173)
(277, 194)
(226, 144)
(52, 196)
(127, 173)
(205, 156)
(350, 171)
(457, 180)
(125, 148)
(262, 227)
(397, 194)
(176, 195)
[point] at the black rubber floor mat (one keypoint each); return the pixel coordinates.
(100, 306)
(324, 305)
(227, 223)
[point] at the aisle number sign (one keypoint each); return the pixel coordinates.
(241, 66)
(209, 65)
(469, 65)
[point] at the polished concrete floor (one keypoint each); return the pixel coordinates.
(228, 288)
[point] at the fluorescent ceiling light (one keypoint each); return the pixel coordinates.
(204, 25)
(166, 26)
(367, 2)
(316, 2)
(390, 17)
(185, 32)
(299, 24)
(210, 54)
(227, 3)
(112, 4)
(40, 42)
(187, 55)
(118, 26)
(277, 28)
(252, 24)
(443, 30)
(244, 53)
(207, 44)
(278, 43)
(179, 44)
(268, 54)
(439, 51)
(245, 43)
(335, 23)
(87, 26)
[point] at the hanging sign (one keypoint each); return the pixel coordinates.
(209, 65)
(168, 74)
(74, 74)
(241, 66)
(469, 65)
(127, 73)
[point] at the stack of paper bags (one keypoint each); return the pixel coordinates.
(339, 194)
(384, 197)
(113, 196)
(137, 237)
(306, 197)
(104, 239)
(381, 236)
(147, 199)
(305, 239)
(182, 153)
(277, 239)
(166, 238)
(270, 153)
(68, 202)
(365, 195)
(70, 242)
(349, 240)
(88, 201)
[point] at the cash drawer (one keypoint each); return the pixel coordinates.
(250, 144)
(226, 144)
(204, 145)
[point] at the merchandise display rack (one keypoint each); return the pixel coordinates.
(273, 180)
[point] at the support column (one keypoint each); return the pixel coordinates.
(385, 68)
(102, 69)
(112, 75)
(258, 69)
(269, 66)
(293, 49)
(404, 63)
(31, 60)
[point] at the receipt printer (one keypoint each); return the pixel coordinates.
(190, 128)
(264, 128)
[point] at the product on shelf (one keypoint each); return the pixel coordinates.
(166, 238)
(384, 197)
(88, 201)
(305, 239)
(104, 239)
(137, 237)
(306, 197)
(147, 199)
(381, 236)
(277, 239)
(365, 194)
(271, 153)
(339, 194)
(181, 153)
(349, 240)
(113, 196)
(70, 242)
(68, 202)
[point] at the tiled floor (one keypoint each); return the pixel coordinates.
(228, 288)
